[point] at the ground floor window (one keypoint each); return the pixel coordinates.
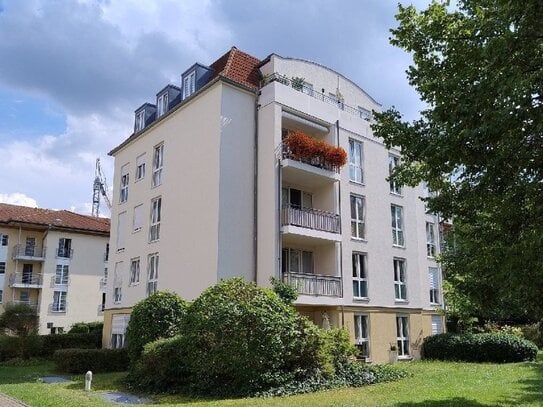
(402, 335)
(119, 323)
(437, 324)
(117, 341)
(361, 334)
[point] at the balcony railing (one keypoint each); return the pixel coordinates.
(311, 218)
(315, 284)
(60, 280)
(333, 100)
(101, 308)
(61, 306)
(24, 252)
(26, 280)
(65, 253)
(314, 161)
(103, 284)
(34, 305)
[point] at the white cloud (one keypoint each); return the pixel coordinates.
(17, 198)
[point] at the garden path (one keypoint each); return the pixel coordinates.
(6, 401)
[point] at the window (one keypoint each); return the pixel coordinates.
(402, 335)
(3, 240)
(121, 232)
(307, 88)
(400, 287)
(138, 218)
(337, 100)
(24, 297)
(397, 225)
(355, 161)
(117, 341)
(360, 276)
(152, 274)
(64, 248)
(357, 217)
(106, 255)
(2, 267)
(61, 274)
(297, 261)
(154, 229)
(437, 324)
(434, 283)
(1, 296)
(393, 162)
(119, 322)
(158, 163)
(361, 335)
(27, 274)
(140, 121)
(30, 246)
(123, 197)
(189, 84)
(117, 295)
(430, 240)
(296, 198)
(117, 282)
(140, 167)
(162, 104)
(364, 113)
(134, 271)
(59, 301)
(426, 194)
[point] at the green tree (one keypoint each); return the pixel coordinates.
(479, 143)
(20, 320)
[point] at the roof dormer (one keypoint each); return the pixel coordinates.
(194, 78)
(166, 99)
(144, 115)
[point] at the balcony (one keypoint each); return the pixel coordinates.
(103, 284)
(315, 284)
(34, 305)
(26, 280)
(64, 253)
(28, 253)
(101, 308)
(311, 223)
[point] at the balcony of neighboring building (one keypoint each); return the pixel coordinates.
(32, 304)
(25, 280)
(27, 252)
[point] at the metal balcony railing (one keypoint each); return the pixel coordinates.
(60, 306)
(34, 305)
(311, 218)
(26, 279)
(24, 252)
(63, 252)
(313, 161)
(103, 283)
(315, 284)
(60, 280)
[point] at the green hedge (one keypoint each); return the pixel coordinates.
(96, 360)
(12, 347)
(52, 343)
(485, 347)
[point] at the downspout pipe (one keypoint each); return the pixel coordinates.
(255, 188)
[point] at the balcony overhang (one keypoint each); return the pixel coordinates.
(297, 234)
(299, 173)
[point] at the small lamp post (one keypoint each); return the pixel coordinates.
(88, 381)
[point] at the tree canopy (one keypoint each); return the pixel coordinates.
(478, 66)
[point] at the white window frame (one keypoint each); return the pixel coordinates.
(356, 161)
(306, 198)
(152, 273)
(398, 235)
(434, 282)
(360, 274)
(393, 162)
(140, 167)
(162, 104)
(121, 231)
(134, 271)
(125, 180)
(117, 295)
(4, 239)
(298, 261)
(400, 279)
(307, 88)
(62, 274)
(118, 282)
(358, 221)
(364, 113)
(140, 121)
(402, 335)
(158, 164)
(362, 334)
(431, 246)
(155, 218)
(137, 221)
(189, 84)
(59, 301)
(437, 324)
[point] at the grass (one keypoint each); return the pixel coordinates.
(432, 384)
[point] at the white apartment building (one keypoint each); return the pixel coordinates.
(208, 187)
(55, 262)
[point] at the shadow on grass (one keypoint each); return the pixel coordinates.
(532, 387)
(454, 402)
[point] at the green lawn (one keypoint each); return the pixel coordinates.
(431, 384)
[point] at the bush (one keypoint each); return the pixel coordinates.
(52, 343)
(87, 327)
(158, 316)
(534, 333)
(95, 360)
(24, 347)
(20, 320)
(485, 347)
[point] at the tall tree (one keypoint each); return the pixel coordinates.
(478, 66)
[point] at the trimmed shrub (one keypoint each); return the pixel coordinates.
(96, 360)
(87, 327)
(158, 316)
(21, 347)
(485, 347)
(52, 343)
(20, 320)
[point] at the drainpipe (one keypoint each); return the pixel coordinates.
(255, 189)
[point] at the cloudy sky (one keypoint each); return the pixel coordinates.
(72, 72)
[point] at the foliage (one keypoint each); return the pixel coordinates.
(20, 347)
(52, 343)
(158, 316)
(87, 327)
(297, 82)
(534, 333)
(286, 292)
(337, 348)
(317, 152)
(479, 144)
(95, 360)
(19, 319)
(485, 347)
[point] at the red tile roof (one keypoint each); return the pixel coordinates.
(238, 66)
(14, 214)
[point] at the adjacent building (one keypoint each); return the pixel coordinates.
(55, 262)
(212, 185)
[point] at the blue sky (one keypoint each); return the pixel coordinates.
(72, 72)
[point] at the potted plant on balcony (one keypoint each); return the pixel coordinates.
(297, 82)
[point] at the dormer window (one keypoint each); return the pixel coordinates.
(162, 104)
(140, 120)
(189, 84)
(364, 113)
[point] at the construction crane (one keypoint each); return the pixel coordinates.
(99, 188)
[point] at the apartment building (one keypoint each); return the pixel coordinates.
(54, 261)
(211, 185)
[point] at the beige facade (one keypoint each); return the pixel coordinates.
(59, 271)
(236, 202)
